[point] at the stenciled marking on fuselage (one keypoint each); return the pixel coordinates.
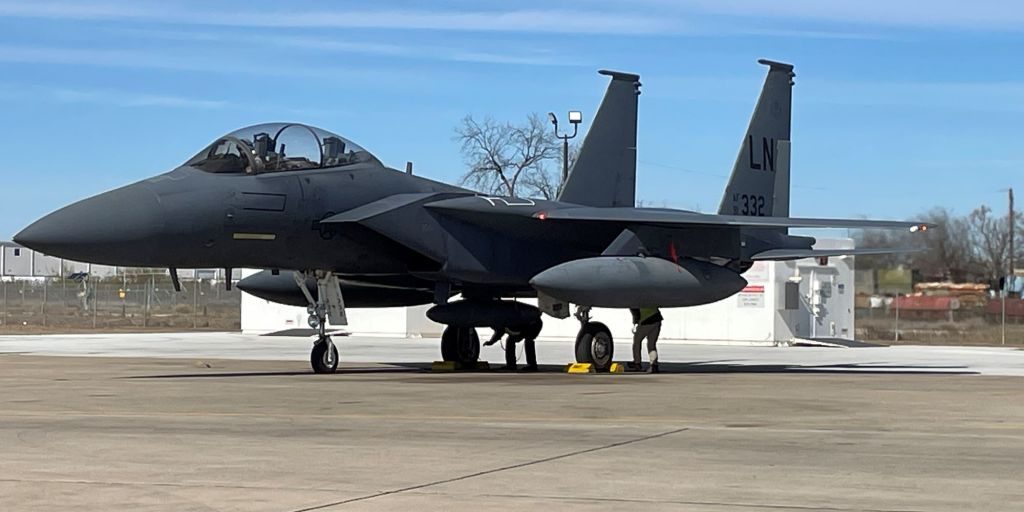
(494, 201)
(767, 162)
(255, 236)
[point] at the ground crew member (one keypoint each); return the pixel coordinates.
(528, 334)
(647, 324)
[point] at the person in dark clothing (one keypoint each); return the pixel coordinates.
(647, 324)
(527, 333)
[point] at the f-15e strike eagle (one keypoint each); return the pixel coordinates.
(336, 228)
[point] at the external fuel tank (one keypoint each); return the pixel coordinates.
(635, 281)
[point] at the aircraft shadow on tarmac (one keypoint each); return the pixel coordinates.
(725, 366)
(718, 366)
(384, 368)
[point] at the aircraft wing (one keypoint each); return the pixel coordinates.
(668, 217)
(797, 254)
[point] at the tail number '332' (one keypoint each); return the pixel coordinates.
(749, 204)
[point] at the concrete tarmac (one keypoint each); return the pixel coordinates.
(367, 349)
(204, 434)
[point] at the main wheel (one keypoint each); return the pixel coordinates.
(460, 344)
(323, 360)
(594, 345)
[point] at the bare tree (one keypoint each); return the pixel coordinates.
(990, 236)
(882, 239)
(974, 247)
(509, 159)
(946, 249)
(547, 183)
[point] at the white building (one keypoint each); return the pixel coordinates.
(782, 302)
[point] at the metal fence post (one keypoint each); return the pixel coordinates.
(149, 294)
(95, 303)
(195, 303)
(5, 301)
(1003, 320)
(896, 332)
(42, 308)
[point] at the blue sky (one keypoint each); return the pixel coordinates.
(899, 106)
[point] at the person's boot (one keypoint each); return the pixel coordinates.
(634, 367)
(530, 368)
(653, 368)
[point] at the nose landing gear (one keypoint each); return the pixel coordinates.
(328, 304)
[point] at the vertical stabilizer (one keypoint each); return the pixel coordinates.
(759, 185)
(604, 174)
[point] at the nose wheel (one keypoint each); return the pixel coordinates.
(324, 357)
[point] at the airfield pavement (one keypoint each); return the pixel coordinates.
(229, 422)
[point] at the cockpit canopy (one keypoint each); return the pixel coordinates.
(279, 147)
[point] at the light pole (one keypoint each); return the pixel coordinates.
(575, 118)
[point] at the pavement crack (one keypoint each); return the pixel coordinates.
(493, 470)
(729, 504)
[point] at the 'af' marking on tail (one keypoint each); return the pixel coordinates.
(767, 154)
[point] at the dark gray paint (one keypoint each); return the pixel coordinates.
(632, 281)
(604, 173)
(368, 222)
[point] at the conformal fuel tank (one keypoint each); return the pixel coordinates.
(283, 290)
(634, 281)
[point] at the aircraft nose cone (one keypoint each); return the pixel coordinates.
(120, 227)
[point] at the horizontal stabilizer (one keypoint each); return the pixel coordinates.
(669, 217)
(797, 254)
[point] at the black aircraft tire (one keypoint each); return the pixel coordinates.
(318, 358)
(460, 344)
(594, 345)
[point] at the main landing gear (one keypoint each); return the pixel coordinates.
(328, 304)
(594, 342)
(460, 344)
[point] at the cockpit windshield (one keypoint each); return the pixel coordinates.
(279, 147)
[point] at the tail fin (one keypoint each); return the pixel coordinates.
(605, 170)
(759, 185)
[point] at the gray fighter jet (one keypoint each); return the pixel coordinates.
(336, 229)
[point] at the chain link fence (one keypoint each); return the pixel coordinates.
(121, 303)
(941, 320)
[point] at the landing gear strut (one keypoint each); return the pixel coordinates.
(460, 344)
(594, 342)
(328, 304)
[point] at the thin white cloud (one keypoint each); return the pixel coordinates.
(983, 96)
(160, 60)
(345, 46)
(25, 54)
(116, 98)
(132, 100)
(536, 20)
(1007, 15)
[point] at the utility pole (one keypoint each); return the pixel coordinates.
(1012, 255)
(1008, 278)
